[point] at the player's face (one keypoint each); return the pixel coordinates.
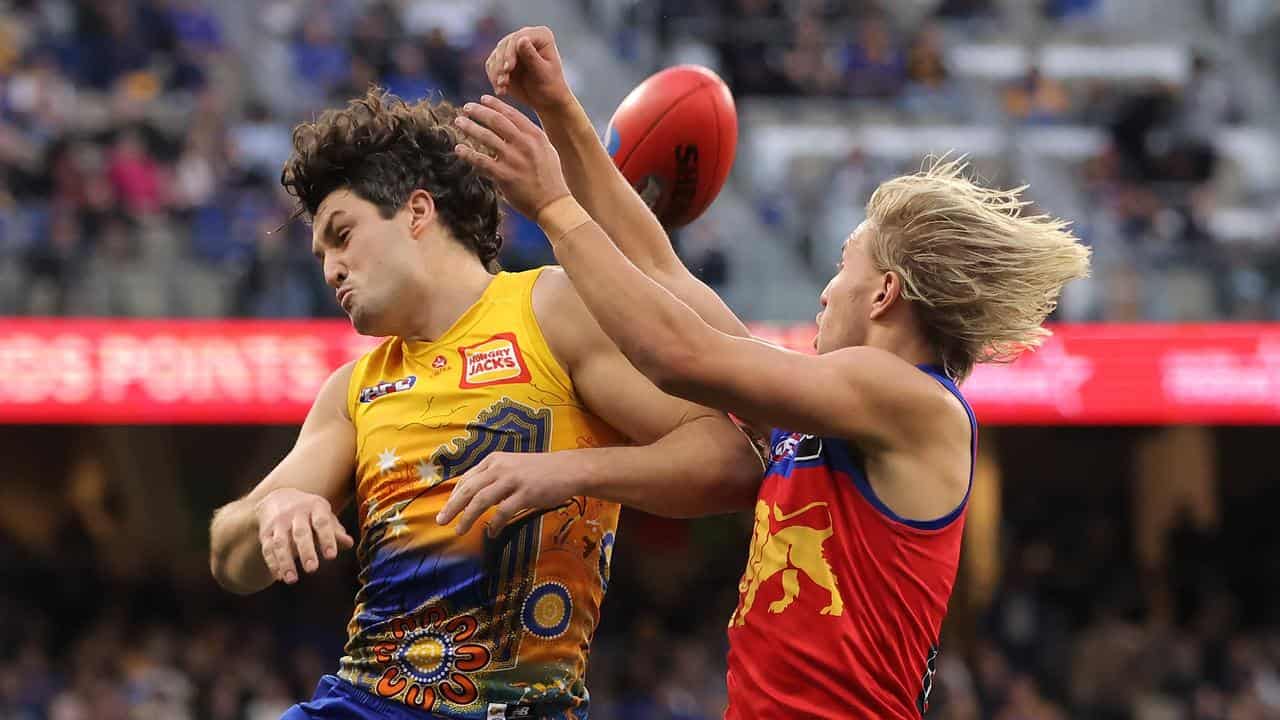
(367, 259)
(846, 301)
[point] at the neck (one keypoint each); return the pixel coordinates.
(445, 298)
(904, 342)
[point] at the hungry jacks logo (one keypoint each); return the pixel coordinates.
(496, 361)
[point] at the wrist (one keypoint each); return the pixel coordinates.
(558, 106)
(585, 478)
(561, 217)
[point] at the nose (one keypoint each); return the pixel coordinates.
(825, 297)
(335, 273)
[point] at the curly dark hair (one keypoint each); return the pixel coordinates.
(382, 149)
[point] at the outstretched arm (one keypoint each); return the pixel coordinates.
(857, 393)
(691, 461)
(526, 65)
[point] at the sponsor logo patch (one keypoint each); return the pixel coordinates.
(382, 389)
(496, 361)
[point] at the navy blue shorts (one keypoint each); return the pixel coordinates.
(337, 699)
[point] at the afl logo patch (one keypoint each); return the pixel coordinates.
(799, 446)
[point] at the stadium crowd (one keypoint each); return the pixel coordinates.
(1147, 199)
(141, 145)
(141, 140)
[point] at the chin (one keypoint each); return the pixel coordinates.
(364, 324)
(820, 343)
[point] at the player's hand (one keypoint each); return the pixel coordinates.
(518, 157)
(526, 66)
(514, 482)
(296, 524)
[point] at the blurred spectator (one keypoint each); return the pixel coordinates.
(1037, 98)
(808, 64)
(930, 90)
(129, 147)
(319, 57)
(1206, 103)
(373, 37)
(964, 9)
(1064, 9)
(409, 77)
(873, 64)
(136, 177)
(262, 143)
(1026, 703)
(703, 249)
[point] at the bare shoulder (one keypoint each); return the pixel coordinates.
(566, 323)
(333, 393)
(344, 371)
(553, 291)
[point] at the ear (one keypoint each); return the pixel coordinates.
(887, 294)
(422, 211)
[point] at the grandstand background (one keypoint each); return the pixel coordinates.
(1121, 560)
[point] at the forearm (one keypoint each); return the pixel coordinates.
(235, 553)
(658, 333)
(603, 191)
(703, 467)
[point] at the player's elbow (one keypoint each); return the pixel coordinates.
(744, 470)
(220, 565)
(729, 478)
(220, 568)
(223, 570)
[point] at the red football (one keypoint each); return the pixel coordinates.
(674, 138)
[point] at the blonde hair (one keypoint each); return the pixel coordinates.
(983, 276)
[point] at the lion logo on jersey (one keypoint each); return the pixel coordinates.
(790, 550)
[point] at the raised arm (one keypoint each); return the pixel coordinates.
(856, 393)
(526, 66)
(291, 516)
